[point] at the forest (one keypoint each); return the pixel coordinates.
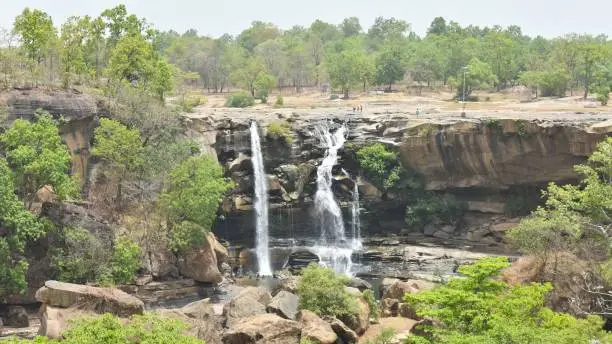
(92, 52)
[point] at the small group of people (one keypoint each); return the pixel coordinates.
(358, 108)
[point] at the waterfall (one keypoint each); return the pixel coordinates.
(261, 204)
(333, 249)
(356, 224)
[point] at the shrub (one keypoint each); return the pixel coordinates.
(185, 235)
(380, 165)
(603, 94)
(446, 209)
(279, 101)
(479, 308)
(240, 100)
(189, 102)
(82, 257)
(322, 291)
(369, 298)
(280, 130)
(125, 261)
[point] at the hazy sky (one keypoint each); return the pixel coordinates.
(215, 17)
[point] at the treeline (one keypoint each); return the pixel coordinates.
(117, 47)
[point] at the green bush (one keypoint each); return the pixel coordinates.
(240, 99)
(189, 102)
(380, 165)
(445, 209)
(603, 94)
(479, 308)
(125, 261)
(81, 257)
(386, 336)
(280, 130)
(369, 298)
(322, 291)
(279, 101)
(185, 235)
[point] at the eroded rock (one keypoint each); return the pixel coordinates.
(263, 328)
(284, 304)
(316, 329)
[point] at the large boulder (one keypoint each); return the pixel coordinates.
(200, 263)
(399, 288)
(16, 316)
(390, 307)
(288, 284)
(259, 294)
(55, 320)
(344, 333)
(316, 329)
(201, 320)
(361, 321)
(97, 300)
(360, 284)
(240, 308)
(264, 328)
(284, 304)
(220, 250)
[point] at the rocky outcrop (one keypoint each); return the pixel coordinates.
(62, 302)
(99, 300)
(343, 331)
(154, 293)
(241, 308)
(200, 262)
(284, 304)
(264, 328)
(16, 316)
(201, 319)
(316, 329)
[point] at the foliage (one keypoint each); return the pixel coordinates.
(349, 67)
(121, 148)
(478, 75)
(279, 101)
(125, 261)
(38, 157)
(81, 257)
(36, 30)
(19, 227)
(390, 65)
(322, 291)
(196, 187)
(240, 100)
(280, 131)
(380, 165)
(368, 296)
(186, 234)
(263, 83)
(479, 308)
(603, 94)
(432, 208)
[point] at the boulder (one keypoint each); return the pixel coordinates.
(54, 320)
(240, 308)
(285, 305)
(97, 300)
(287, 284)
(241, 163)
(406, 310)
(202, 323)
(264, 328)
(200, 263)
(344, 333)
(390, 307)
(386, 283)
(360, 284)
(16, 316)
(259, 294)
(161, 263)
(220, 250)
(399, 288)
(316, 329)
(361, 321)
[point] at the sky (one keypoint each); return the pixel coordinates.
(214, 17)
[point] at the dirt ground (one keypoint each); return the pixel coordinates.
(517, 99)
(400, 325)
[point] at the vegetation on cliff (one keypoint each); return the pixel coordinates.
(322, 291)
(480, 308)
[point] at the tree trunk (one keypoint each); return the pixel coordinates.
(346, 93)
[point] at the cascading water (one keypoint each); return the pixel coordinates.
(356, 224)
(333, 249)
(261, 204)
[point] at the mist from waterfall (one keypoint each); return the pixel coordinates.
(333, 249)
(260, 204)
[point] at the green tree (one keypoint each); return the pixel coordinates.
(132, 61)
(351, 27)
(322, 291)
(390, 65)
(38, 157)
(479, 75)
(437, 27)
(195, 190)
(481, 309)
(73, 35)
(17, 228)
(591, 53)
(263, 84)
(121, 148)
(36, 30)
(348, 69)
